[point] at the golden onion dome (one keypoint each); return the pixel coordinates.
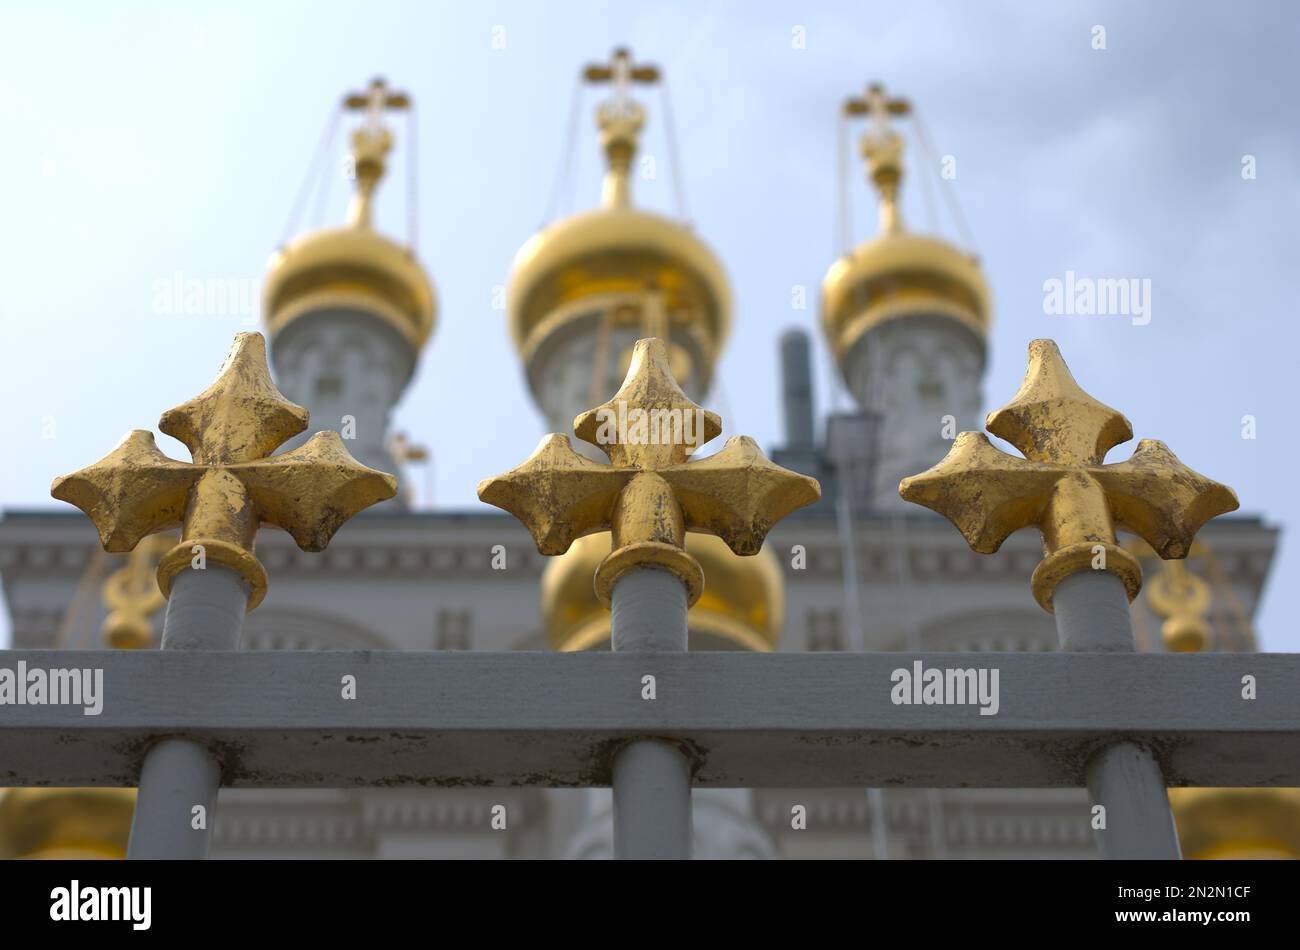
(80, 823)
(1237, 823)
(354, 266)
(742, 606)
(617, 252)
(900, 275)
(897, 274)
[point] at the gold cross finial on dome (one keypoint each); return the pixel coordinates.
(877, 104)
(620, 119)
(882, 149)
(374, 100)
(231, 487)
(650, 494)
(621, 72)
(371, 143)
(1062, 485)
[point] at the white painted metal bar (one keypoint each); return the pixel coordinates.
(176, 804)
(1124, 779)
(783, 720)
(651, 777)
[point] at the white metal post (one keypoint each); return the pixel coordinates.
(652, 778)
(1092, 616)
(176, 805)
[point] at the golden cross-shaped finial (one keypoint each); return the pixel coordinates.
(1062, 485)
(649, 495)
(877, 104)
(882, 149)
(375, 99)
(371, 143)
(621, 72)
(620, 120)
(131, 595)
(231, 488)
(1181, 599)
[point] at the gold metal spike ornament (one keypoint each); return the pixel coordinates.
(132, 596)
(1062, 485)
(1182, 599)
(232, 487)
(650, 495)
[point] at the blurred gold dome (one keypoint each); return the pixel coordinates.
(617, 250)
(1234, 823)
(1237, 823)
(742, 606)
(81, 823)
(897, 274)
(354, 266)
(616, 256)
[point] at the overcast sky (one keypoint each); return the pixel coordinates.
(143, 141)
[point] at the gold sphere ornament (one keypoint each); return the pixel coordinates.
(1237, 823)
(65, 823)
(741, 608)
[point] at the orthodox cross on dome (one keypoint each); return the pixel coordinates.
(882, 148)
(1063, 486)
(621, 72)
(371, 142)
(374, 101)
(620, 119)
(877, 104)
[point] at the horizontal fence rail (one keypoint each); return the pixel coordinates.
(743, 720)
